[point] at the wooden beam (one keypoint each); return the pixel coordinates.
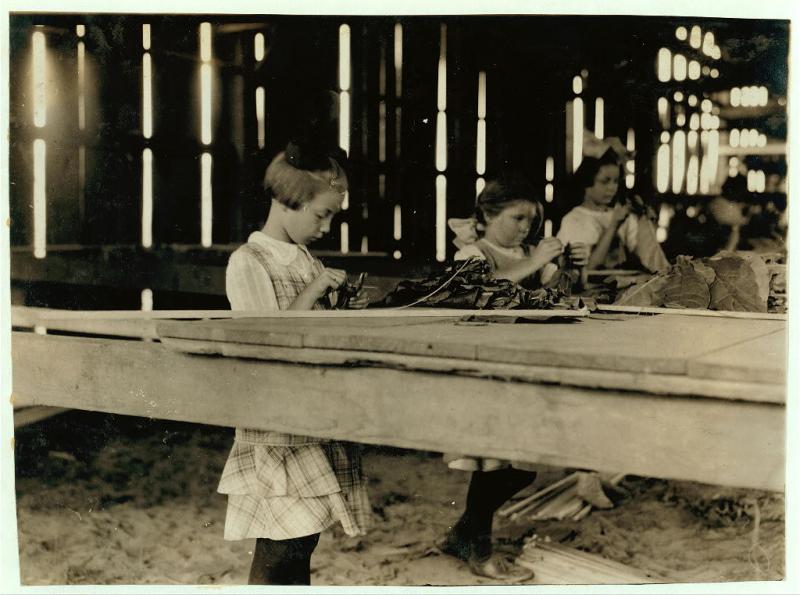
(30, 415)
(730, 443)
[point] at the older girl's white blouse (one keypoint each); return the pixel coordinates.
(248, 285)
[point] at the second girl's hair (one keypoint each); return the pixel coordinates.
(300, 172)
(501, 192)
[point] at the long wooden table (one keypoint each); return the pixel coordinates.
(694, 398)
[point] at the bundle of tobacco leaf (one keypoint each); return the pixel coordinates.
(726, 281)
(470, 285)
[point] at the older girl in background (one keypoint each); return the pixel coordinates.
(604, 219)
(506, 214)
(283, 489)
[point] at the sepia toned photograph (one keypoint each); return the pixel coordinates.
(412, 300)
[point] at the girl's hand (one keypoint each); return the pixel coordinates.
(360, 301)
(579, 254)
(327, 281)
(547, 250)
(619, 213)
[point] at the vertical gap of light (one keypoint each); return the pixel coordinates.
(480, 157)
(147, 198)
(662, 168)
(441, 141)
(39, 199)
(692, 174)
(205, 103)
(695, 37)
(398, 223)
(146, 37)
(344, 238)
(80, 30)
(664, 65)
(577, 85)
(630, 165)
(147, 300)
(548, 192)
(147, 96)
(344, 57)
(678, 160)
(382, 131)
(705, 182)
(549, 169)
(346, 200)
(599, 124)
(441, 86)
(206, 204)
(577, 133)
(260, 115)
(692, 139)
(480, 184)
(663, 111)
(258, 47)
(694, 70)
(733, 138)
(482, 94)
(548, 228)
(364, 244)
(679, 67)
(39, 79)
(751, 182)
(81, 85)
(398, 59)
(713, 154)
(441, 217)
(205, 42)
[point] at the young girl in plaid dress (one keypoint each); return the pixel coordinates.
(284, 489)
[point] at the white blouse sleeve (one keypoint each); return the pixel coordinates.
(469, 251)
(248, 285)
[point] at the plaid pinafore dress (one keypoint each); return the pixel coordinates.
(282, 486)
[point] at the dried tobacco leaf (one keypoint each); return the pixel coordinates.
(735, 287)
(686, 288)
(469, 285)
(648, 293)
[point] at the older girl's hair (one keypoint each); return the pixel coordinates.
(301, 172)
(587, 171)
(501, 192)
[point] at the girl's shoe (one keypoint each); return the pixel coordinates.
(500, 566)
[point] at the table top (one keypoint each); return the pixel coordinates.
(724, 349)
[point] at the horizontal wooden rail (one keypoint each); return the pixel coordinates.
(732, 443)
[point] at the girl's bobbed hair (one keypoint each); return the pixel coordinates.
(501, 192)
(302, 171)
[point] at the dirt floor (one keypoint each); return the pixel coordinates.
(105, 499)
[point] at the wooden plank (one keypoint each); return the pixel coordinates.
(725, 442)
(657, 384)
(758, 360)
(691, 312)
(556, 564)
(661, 344)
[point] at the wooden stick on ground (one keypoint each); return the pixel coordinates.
(562, 483)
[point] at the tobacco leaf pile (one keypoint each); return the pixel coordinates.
(743, 282)
(469, 285)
